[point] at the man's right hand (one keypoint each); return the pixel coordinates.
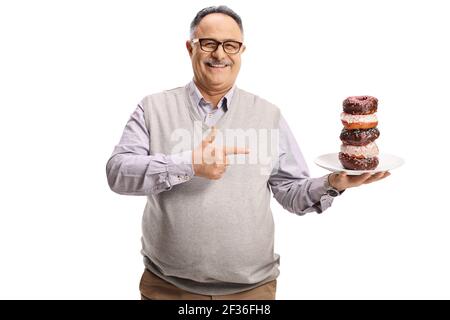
(210, 161)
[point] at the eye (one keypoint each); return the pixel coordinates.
(209, 44)
(231, 46)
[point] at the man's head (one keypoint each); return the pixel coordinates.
(216, 66)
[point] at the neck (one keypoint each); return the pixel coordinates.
(212, 95)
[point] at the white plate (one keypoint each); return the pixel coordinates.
(330, 161)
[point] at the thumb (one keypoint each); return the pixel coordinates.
(342, 174)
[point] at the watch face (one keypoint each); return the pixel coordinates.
(332, 192)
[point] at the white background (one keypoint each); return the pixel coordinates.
(72, 72)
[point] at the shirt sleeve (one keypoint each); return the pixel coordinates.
(291, 183)
(131, 170)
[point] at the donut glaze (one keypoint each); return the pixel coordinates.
(360, 105)
(357, 163)
(359, 137)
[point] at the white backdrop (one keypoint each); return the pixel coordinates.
(72, 72)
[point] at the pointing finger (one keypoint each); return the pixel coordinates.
(235, 150)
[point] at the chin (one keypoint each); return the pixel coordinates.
(219, 81)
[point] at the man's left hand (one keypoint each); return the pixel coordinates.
(342, 181)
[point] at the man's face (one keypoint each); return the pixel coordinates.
(216, 70)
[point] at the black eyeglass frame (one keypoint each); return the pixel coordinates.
(222, 43)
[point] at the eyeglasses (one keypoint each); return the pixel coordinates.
(211, 45)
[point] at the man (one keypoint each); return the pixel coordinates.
(207, 227)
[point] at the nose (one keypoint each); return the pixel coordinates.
(219, 54)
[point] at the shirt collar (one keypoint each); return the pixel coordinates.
(199, 100)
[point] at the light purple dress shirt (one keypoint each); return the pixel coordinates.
(132, 171)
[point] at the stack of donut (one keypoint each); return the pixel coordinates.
(358, 149)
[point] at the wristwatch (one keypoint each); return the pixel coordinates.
(333, 192)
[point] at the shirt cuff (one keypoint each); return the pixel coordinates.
(318, 188)
(179, 169)
(319, 194)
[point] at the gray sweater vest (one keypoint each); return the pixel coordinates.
(212, 237)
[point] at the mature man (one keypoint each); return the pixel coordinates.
(208, 230)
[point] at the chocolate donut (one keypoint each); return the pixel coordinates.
(357, 163)
(359, 137)
(360, 105)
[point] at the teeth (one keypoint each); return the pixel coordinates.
(217, 65)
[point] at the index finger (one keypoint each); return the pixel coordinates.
(235, 150)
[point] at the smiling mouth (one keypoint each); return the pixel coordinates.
(216, 65)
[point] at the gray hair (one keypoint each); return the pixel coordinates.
(215, 9)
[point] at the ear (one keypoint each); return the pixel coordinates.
(189, 47)
(243, 48)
